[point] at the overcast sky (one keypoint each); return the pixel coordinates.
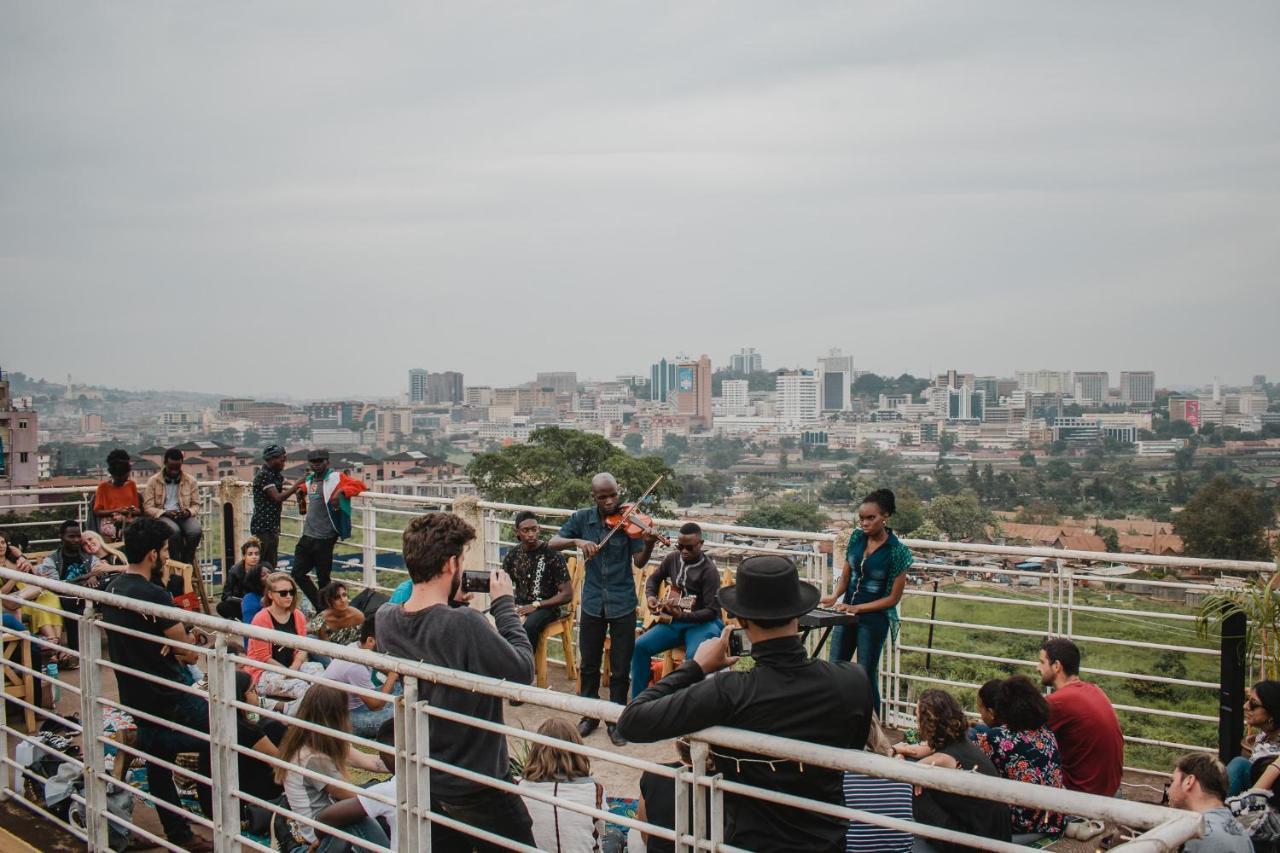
(315, 197)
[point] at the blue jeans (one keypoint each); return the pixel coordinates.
(659, 638)
(1239, 775)
(868, 639)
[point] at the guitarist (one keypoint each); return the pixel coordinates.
(608, 595)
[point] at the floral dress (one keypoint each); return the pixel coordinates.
(1027, 756)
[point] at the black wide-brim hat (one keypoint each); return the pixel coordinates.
(769, 587)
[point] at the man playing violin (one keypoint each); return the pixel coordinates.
(687, 614)
(608, 595)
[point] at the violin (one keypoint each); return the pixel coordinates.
(634, 524)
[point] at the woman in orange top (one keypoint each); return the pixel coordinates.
(116, 502)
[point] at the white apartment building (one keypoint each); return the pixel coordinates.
(1044, 381)
(735, 397)
(798, 397)
(1137, 387)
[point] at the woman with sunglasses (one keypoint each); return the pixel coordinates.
(1261, 713)
(281, 613)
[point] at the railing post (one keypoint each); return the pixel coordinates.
(700, 753)
(413, 745)
(1231, 668)
(224, 762)
(682, 780)
(368, 542)
(95, 759)
(1068, 575)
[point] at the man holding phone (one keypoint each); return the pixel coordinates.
(428, 629)
(787, 694)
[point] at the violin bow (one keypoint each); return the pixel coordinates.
(634, 506)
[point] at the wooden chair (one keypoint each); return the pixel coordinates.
(20, 684)
(561, 629)
(672, 658)
(642, 611)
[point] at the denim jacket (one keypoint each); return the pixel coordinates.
(609, 585)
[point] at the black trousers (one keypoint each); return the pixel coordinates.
(317, 554)
(270, 546)
(499, 812)
(537, 621)
(622, 644)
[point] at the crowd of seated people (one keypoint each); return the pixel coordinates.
(1069, 738)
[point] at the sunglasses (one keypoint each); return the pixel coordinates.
(288, 593)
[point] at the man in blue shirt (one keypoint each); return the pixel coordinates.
(608, 595)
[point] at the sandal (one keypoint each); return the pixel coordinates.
(1084, 830)
(66, 661)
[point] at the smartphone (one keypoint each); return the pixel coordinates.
(739, 643)
(473, 581)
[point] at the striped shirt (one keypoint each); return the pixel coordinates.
(882, 797)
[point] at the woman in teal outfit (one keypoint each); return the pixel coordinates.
(875, 573)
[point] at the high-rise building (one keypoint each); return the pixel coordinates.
(988, 385)
(417, 385)
(560, 381)
(965, 404)
(662, 380)
(444, 388)
(798, 396)
(746, 360)
(835, 378)
(692, 394)
(1137, 387)
(1259, 380)
(1090, 386)
(735, 396)
(478, 395)
(1044, 381)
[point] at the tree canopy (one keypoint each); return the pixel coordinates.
(1225, 521)
(555, 469)
(785, 515)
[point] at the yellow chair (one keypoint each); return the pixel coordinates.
(17, 683)
(642, 611)
(561, 629)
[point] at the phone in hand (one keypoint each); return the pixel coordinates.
(739, 643)
(475, 581)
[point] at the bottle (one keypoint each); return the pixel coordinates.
(51, 670)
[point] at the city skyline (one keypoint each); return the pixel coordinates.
(924, 186)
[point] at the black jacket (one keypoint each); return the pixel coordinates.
(787, 694)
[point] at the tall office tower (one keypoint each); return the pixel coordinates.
(746, 360)
(417, 385)
(444, 387)
(835, 376)
(1090, 386)
(736, 397)
(1138, 387)
(798, 396)
(692, 395)
(989, 386)
(662, 380)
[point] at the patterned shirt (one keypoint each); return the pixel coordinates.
(1027, 756)
(266, 512)
(536, 575)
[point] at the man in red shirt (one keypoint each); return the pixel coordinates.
(1083, 720)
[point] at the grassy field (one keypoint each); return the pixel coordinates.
(1095, 655)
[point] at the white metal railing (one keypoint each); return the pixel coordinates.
(379, 518)
(1164, 828)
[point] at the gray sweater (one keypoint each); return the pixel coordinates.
(461, 638)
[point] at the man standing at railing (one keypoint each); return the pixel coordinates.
(319, 527)
(173, 497)
(269, 495)
(430, 629)
(157, 695)
(787, 694)
(608, 596)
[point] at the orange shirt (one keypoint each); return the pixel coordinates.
(111, 496)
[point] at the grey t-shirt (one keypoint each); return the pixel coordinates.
(317, 524)
(171, 497)
(1222, 834)
(461, 638)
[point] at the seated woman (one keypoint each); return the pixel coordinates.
(253, 593)
(942, 724)
(257, 777)
(658, 800)
(116, 502)
(108, 555)
(880, 796)
(1023, 748)
(338, 622)
(567, 776)
(45, 622)
(281, 614)
(331, 757)
(985, 702)
(231, 599)
(1259, 771)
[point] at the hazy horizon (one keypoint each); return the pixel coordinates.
(242, 198)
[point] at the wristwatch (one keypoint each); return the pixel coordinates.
(537, 605)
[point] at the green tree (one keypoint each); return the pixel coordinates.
(945, 480)
(1225, 521)
(785, 515)
(838, 491)
(633, 441)
(757, 486)
(1057, 469)
(910, 513)
(869, 385)
(946, 442)
(722, 453)
(1027, 460)
(252, 438)
(674, 446)
(927, 530)
(1109, 535)
(958, 516)
(555, 467)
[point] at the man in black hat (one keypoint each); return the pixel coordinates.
(269, 495)
(787, 694)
